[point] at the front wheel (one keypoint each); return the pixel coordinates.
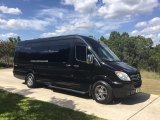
(30, 81)
(102, 92)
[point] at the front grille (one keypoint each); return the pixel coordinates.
(136, 78)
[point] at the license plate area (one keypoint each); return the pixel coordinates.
(137, 90)
(132, 92)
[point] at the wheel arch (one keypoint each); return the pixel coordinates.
(97, 78)
(30, 71)
(27, 72)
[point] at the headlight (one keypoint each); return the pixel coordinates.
(122, 75)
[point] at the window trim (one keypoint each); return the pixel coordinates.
(76, 54)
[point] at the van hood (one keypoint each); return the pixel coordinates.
(121, 66)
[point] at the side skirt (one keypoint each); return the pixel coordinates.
(67, 89)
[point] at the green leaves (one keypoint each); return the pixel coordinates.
(135, 50)
(7, 49)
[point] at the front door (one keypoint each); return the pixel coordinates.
(82, 70)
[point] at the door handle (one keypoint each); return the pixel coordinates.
(76, 66)
(68, 65)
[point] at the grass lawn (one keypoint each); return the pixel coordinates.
(16, 107)
(1, 66)
(151, 82)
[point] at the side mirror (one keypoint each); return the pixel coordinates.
(90, 59)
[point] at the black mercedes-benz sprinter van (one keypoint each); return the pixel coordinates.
(75, 63)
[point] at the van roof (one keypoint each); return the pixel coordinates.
(53, 38)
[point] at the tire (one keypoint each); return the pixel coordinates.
(102, 92)
(30, 81)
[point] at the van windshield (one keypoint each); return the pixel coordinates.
(103, 51)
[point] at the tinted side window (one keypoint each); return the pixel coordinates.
(22, 54)
(81, 53)
(59, 53)
(51, 51)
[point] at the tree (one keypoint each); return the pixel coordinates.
(7, 49)
(102, 38)
(14, 39)
(135, 50)
(154, 59)
(124, 36)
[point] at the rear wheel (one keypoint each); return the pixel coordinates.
(102, 92)
(30, 80)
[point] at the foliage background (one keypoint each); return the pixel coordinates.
(137, 51)
(7, 49)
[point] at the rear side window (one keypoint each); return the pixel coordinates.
(21, 54)
(59, 53)
(51, 51)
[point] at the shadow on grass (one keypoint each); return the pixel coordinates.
(8, 105)
(17, 107)
(23, 92)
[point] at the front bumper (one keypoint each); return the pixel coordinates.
(125, 89)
